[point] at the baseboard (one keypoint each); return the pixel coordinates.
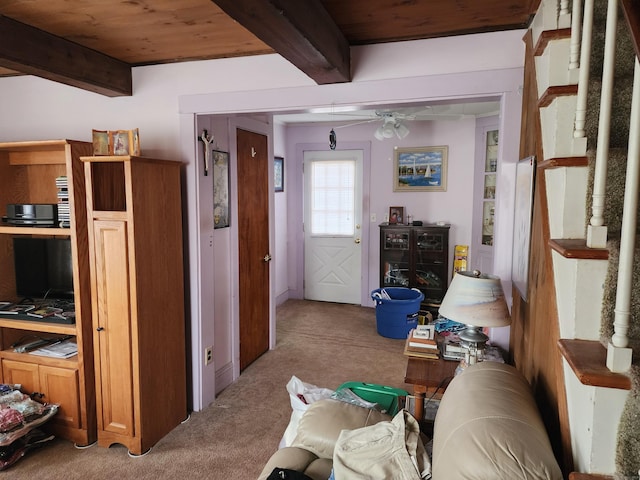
(224, 377)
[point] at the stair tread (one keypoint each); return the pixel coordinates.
(577, 248)
(588, 359)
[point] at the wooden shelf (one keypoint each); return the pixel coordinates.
(40, 360)
(46, 327)
(55, 232)
(28, 174)
(588, 360)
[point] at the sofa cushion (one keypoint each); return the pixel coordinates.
(321, 424)
(488, 427)
(300, 460)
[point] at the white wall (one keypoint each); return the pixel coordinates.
(166, 97)
(281, 231)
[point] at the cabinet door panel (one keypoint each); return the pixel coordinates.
(113, 336)
(26, 374)
(60, 385)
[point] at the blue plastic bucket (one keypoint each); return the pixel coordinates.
(398, 314)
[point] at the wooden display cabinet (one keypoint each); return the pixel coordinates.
(136, 255)
(28, 172)
(416, 257)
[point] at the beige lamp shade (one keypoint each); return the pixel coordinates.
(476, 299)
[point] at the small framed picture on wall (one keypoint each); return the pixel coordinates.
(278, 174)
(396, 214)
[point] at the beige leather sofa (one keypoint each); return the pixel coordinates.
(487, 427)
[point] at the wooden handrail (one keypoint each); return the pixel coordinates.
(631, 11)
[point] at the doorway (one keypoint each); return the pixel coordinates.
(333, 225)
(253, 245)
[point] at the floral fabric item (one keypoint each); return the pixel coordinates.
(19, 414)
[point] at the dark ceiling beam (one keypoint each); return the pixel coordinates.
(302, 32)
(34, 52)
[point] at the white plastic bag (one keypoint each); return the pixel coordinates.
(301, 395)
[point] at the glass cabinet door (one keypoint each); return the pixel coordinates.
(395, 256)
(430, 268)
(488, 200)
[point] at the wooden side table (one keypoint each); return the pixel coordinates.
(427, 376)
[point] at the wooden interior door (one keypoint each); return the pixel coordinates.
(253, 244)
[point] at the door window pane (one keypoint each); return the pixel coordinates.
(332, 197)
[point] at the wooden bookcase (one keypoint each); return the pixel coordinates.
(28, 172)
(416, 257)
(136, 258)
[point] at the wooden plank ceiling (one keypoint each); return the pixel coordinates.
(93, 44)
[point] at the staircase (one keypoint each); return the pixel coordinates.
(602, 406)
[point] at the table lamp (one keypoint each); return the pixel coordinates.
(477, 300)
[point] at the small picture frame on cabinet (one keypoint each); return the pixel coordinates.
(100, 140)
(124, 142)
(396, 215)
(116, 142)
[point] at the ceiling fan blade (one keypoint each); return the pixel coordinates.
(352, 124)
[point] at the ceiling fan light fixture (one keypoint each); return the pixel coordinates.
(391, 127)
(378, 133)
(401, 130)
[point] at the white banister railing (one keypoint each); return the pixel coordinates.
(618, 356)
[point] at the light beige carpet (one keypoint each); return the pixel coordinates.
(321, 343)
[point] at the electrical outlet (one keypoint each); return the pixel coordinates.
(208, 355)
(386, 217)
(373, 218)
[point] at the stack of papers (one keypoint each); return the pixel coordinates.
(64, 349)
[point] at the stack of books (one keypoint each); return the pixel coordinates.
(421, 346)
(64, 210)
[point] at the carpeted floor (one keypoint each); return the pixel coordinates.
(323, 344)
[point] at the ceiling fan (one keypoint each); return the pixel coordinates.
(394, 121)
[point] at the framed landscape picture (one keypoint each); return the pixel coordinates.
(420, 169)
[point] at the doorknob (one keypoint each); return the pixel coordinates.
(357, 226)
(357, 240)
(267, 258)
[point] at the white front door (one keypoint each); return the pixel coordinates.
(332, 225)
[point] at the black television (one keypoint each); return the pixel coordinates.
(43, 267)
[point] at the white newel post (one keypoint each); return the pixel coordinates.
(618, 354)
(597, 231)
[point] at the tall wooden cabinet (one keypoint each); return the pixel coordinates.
(136, 260)
(28, 172)
(416, 257)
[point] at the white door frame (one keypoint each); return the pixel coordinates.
(350, 289)
(296, 213)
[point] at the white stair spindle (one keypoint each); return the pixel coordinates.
(583, 82)
(564, 7)
(604, 127)
(574, 48)
(618, 356)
